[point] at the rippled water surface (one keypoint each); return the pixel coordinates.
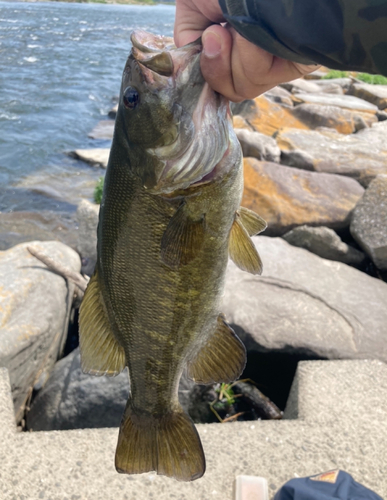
(61, 65)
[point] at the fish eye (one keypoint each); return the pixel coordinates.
(131, 98)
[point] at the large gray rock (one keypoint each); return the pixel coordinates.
(280, 95)
(87, 216)
(343, 101)
(72, 399)
(34, 310)
(96, 157)
(323, 242)
(343, 120)
(258, 145)
(301, 85)
(362, 156)
(369, 221)
(303, 303)
(376, 94)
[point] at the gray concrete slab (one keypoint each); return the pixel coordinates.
(337, 418)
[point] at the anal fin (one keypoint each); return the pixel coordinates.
(222, 359)
(242, 249)
(100, 352)
(168, 444)
(182, 239)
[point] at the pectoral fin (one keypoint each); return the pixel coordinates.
(100, 352)
(252, 222)
(242, 250)
(182, 239)
(222, 359)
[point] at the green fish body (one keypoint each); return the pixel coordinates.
(167, 225)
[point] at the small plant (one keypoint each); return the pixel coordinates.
(99, 190)
(373, 79)
(335, 73)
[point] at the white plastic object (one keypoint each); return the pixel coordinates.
(251, 488)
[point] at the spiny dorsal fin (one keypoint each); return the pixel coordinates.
(242, 250)
(100, 352)
(253, 223)
(168, 444)
(182, 239)
(222, 359)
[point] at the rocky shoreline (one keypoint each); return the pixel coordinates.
(315, 165)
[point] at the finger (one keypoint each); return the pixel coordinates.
(215, 61)
(192, 18)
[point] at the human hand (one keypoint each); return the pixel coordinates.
(231, 65)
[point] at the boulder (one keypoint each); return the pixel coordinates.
(103, 130)
(35, 304)
(113, 112)
(369, 221)
(87, 216)
(239, 122)
(344, 83)
(301, 85)
(266, 116)
(305, 304)
(287, 197)
(361, 156)
(97, 157)
(376, 94)
(325, 243)
(343, 120)
(258, 145)
(46, 225)
(279, 95)
(343, 101)
(72, 399)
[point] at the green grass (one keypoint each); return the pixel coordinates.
(373, 79)
(335, 73)
(364, 77)
(99, 190)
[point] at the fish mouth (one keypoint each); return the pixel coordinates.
(200, 137)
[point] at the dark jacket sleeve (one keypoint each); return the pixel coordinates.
(340, 34)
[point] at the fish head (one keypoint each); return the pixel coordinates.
(176, 129)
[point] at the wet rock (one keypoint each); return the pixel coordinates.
(305, 304)
(375, 94)
(301, 85)
(103, 130)
(287, 197)
(98, 157)
(34, 312)
(113, 112)
(369, 221)
(87, 216)
(72, 399)
(280, 96)
(342, 101)
(340, 119)
(361, 156)
(258, 145)
(324, 242)
(18, 227)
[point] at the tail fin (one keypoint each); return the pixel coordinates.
(169, 445)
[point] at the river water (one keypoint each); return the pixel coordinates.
(60, 66)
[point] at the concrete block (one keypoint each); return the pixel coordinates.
(337, 418)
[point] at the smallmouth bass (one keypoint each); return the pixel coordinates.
(170, 216)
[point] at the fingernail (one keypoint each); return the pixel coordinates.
(211, 45)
